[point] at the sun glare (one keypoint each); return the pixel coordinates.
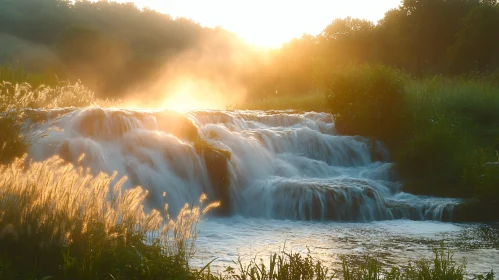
(184, 101)
(188, 94)
(270, 23)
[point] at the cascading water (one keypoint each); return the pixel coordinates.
(281, 165)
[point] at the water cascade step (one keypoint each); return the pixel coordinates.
(269, 164)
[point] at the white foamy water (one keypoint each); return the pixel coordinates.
(281, 176)
(274, 165)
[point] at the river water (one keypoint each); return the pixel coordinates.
(284, 179)
(394, 242)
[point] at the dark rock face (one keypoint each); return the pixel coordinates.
(218, 171)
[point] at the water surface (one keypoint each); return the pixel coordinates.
(394, 242)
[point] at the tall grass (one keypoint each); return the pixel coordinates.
(14, 98)
(454, 138)
(18, 75)
(57, 220)
(368, 100)
(286, 266)
(441, 267)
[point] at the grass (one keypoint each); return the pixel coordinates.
(452, 148)
(279, 266)
(14, 98)
(17, 75)
(296, 266)
(442, 266)
(57, 220)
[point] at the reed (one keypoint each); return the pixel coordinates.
(58, 220)
(16, 97)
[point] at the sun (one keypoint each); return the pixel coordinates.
(270, 23)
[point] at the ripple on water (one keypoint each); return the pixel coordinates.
(394, 242)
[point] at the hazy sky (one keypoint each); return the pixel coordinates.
(271, 22)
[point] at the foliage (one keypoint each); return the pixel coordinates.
(15, 74)
(443, 131)
(452, 147)
(112, 47)
(280, 266)
(296, 266)
(105, 233)
(477, 43)
(368, 101)
(15, 98)
(441, 267)
(423, 38)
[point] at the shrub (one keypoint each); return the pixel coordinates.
(368, 100)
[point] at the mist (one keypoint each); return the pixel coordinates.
(210, 75)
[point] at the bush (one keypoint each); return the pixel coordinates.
(368, 100)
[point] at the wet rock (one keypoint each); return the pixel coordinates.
(217, 165)
(177, 124)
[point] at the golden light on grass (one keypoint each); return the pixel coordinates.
(54, 203)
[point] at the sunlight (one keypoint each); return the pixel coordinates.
(188, 95)
(183, 101)
(270, 23)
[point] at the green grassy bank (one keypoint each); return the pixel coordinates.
(443, 132)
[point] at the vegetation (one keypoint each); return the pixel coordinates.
(442, 266)
(295, 266)
(48, 93)
(101, 236)
(424, 80)
(103, 44)
(368, 101)
(109, 235)
(441, 131)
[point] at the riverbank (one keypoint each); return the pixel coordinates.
(441, 131)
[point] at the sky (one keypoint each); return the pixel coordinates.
(272, 22)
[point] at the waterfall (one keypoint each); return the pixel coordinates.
(268, 164)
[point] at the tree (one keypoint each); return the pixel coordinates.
(477, 46)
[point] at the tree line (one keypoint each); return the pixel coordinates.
(421, 37)
(113, 47)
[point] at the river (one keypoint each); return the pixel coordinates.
(284, 179)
